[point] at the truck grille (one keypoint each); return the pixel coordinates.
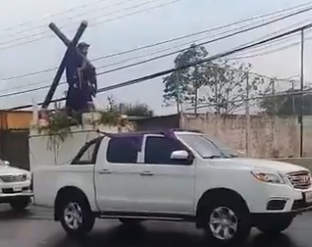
(300, 180)
(13, 178)
(11, 190)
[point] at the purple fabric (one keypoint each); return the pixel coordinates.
(78, 94)
(136, 138)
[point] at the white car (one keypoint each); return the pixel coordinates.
(173, 176)
(15, 186)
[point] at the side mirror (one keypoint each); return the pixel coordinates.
(179, 155)
(7, 163)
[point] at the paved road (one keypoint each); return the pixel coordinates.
(36, 228)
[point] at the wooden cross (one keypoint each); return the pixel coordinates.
(71, 46)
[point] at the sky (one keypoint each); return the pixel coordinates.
(27, 44)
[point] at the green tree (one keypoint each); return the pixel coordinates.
(230, 84)
(137, 109)
(182, 86)
(221, 85)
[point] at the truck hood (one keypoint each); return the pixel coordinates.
(7, 170)
(247, 163)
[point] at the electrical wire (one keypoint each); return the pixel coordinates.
(309, 20)
(50, 36)
(91, 25)
(126, 66)
(53, 15)
(271, 51)
(165, 72)
(66, 19)
(171, 40)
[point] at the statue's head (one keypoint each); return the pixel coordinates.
(83, 47)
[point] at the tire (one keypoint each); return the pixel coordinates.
(20, 204)
(229, 212)
(275, 226)
(76, 217)
(126, 221)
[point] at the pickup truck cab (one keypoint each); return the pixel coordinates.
(173, 175)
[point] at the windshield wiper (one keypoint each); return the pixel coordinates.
(233, 156)
(214, 157)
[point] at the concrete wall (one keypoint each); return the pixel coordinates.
(267, 136)
(158, 122)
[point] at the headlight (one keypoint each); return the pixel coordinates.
(268, 177)
(28, 176)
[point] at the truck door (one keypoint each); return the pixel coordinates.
(118, 179)
(167, 185)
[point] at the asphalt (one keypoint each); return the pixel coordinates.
(36, 228)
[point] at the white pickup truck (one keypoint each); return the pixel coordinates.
(15, 186)
(174, 176)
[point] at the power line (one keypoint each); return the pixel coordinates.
(165, 72)
(144, 61)
(50, 36)
(53, 15)
(271, 51)
(277, 32)
(62, 20)
(94, 24)
(180, 38)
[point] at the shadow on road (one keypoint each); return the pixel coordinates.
(123, 236)
(262, 240)
(9, 214)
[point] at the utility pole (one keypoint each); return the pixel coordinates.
(293, 99)
(247, 115)
(178, 98)
(301, 91)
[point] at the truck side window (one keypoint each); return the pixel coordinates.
(87, 155)
(158, 150)
(122, 150)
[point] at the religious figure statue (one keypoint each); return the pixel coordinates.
(82, 82)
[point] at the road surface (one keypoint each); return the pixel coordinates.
(36, 228)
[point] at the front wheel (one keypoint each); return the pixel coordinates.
(275, 226)
(227, 221)
(20, 204)
(76, 217)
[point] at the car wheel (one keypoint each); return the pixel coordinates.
(20, 204)
(76, 217)
(275, 226)
(227, 221)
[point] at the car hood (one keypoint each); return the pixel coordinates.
(247, 163)
(7, 170)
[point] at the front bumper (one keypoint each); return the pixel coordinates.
(278, 199)
(15, 191)
(6, 198)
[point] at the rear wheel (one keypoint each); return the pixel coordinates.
(275, 225)
(76, 216)
(20, 204)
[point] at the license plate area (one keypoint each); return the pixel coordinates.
(17, 189)
(308, 196)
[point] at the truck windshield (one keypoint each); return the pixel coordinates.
(208, 148)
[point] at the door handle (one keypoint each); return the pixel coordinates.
(104, 171)
(146, 173)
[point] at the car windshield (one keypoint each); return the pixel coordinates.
(207, 147)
